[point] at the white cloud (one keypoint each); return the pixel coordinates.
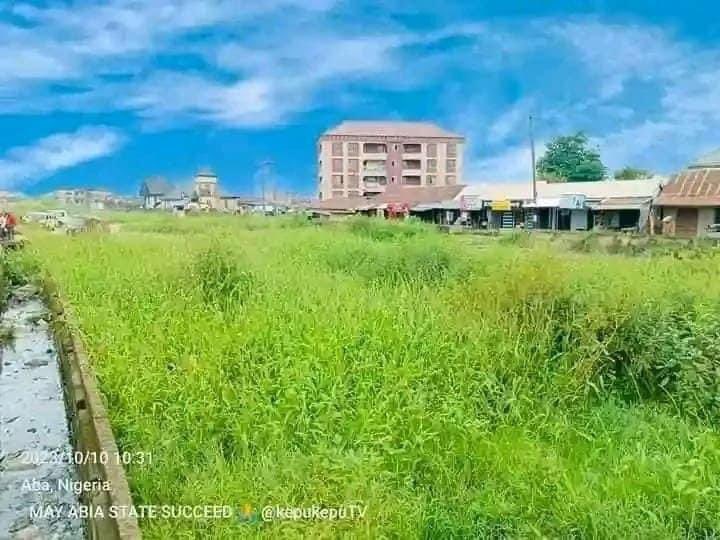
(25, 164)
(511, 122)
(512, 164)
(617, 53)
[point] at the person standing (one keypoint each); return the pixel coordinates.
(10, 224)
(3, 225)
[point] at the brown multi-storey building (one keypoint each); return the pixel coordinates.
(357, 159)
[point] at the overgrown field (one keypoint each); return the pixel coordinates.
(459, 391)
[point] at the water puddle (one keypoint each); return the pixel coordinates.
(35, 471)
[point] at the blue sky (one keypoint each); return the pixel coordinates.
(103, 94)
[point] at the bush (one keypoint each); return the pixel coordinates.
(220, 279)
(383, 229)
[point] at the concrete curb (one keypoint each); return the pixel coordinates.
(97, 455)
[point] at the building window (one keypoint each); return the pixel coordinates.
(353, 149)
(411, 164)
(717, 216)
(450, 165)
(338, 193)
(337, 165)
(450, 180)
(353, 165)
(337, 149)
(451, 150)
(374, 148)
(430, 179)
(412, 148)
(392, 180)
(353, 180)
(337, 180)
(432, 150)
(395, 147)
(320, 195)
(432, 165)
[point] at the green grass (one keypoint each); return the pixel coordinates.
(518, 390)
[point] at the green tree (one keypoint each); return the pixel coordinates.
(632, 173)
(571, 159)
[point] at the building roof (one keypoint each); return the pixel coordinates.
(410, 195)
(711, 160)
(157, 185)
(602, 189)
(692, 187)
(498, 191)
(622, 203)
(391, 129)
(413, 195)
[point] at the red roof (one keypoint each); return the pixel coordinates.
(692, 187)
(410, 195)
(391, 129)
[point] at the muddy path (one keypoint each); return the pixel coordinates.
(35, 442)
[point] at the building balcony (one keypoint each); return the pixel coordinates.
(411, 164)
(374, 148)
(412, 148)
(374, 184)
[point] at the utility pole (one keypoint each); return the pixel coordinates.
(265, 170)
(532, 157)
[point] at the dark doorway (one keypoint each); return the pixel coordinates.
(563, 220)
(686, 222)
(629, 218)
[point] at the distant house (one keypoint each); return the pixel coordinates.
(94, 198)
(205, 189)
(153, 190)
(690, 204)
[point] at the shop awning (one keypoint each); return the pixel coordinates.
(622, 203)
(549, 202)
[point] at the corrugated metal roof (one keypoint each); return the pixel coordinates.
(157, 185)
(410, 195)
(601, 190)
(692, 187)
(413, 195)
(391, 129)
(514, 191)
(622, 203)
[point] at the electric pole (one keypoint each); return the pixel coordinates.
(265, 171)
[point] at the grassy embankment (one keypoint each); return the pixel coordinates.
(458, 392)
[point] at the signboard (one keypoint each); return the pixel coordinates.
(500, 206)
(471, 202)
(572, 202)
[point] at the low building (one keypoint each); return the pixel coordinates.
(689, 205)
(602, 205)
(430, 203)
(152, 191)
(569, 206)
(496, 206)
(93, 198)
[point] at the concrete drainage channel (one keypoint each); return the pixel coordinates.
(61, 475)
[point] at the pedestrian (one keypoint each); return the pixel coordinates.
(3, 225)
(10, 224)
